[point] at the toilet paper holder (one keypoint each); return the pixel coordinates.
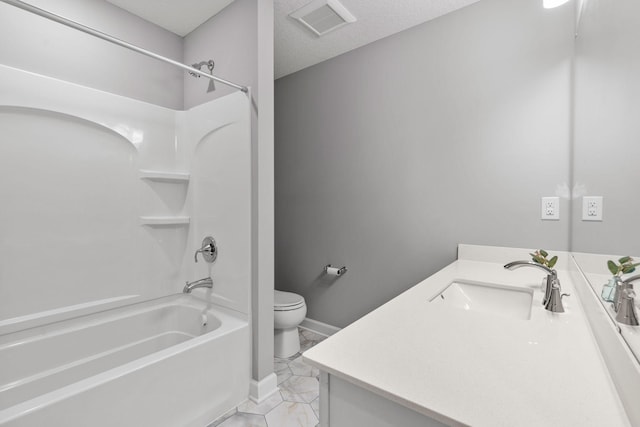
(334, 271)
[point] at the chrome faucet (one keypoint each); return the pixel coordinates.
(209, 250)
(627, 311)
(202, 283)
(621, 286)
(552, 300)
(624, 302)
(554, 303)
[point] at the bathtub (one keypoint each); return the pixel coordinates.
(174, 361)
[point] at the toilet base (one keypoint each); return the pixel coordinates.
(286, 342)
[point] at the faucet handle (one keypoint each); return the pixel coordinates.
(209, 250)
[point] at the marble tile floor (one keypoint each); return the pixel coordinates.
(295, 405)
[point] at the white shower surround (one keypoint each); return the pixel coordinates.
(72, 240)
(54, 258)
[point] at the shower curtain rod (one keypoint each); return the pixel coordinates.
(69, 23)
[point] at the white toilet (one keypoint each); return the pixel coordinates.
(289, 310)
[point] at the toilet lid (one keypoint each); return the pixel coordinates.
(282, 299)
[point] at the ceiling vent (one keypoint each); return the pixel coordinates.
(322, 16)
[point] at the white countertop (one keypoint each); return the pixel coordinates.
(466, 368)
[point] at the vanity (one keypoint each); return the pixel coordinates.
(472, 345)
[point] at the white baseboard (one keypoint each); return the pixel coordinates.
(318, 327)
(261, 390)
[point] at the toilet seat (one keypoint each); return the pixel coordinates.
(287, 301)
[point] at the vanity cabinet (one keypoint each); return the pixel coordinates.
(343, 404)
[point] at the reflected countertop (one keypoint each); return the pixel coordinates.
(595, 271)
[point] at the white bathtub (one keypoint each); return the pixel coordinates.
(175, 361)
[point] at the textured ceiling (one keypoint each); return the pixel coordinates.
(297, 48)
(178, 16)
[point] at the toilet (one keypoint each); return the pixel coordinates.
(289, 310)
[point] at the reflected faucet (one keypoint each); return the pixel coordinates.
(202, 283)
(621, 286)
(552, 300)
(625, 302)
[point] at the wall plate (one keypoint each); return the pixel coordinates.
(550, 208)
(592, 208)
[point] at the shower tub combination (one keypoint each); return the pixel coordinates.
(173, 361)
(168, 361)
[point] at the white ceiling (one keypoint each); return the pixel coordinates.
(295, 46)
(178, 16)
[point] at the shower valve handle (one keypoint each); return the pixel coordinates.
(209, 250)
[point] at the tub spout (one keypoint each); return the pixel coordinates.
(202, 283)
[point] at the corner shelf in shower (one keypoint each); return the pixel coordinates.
(160, 221)
(167, 177)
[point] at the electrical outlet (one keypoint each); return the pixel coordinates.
(592, 208)
(550, 208)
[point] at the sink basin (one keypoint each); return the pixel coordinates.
(499, 300)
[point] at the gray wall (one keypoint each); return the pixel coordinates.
(35, 44)
(607, 128)
(389, 156)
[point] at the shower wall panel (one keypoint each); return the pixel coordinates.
(80, 225)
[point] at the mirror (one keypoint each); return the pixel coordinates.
(594, 268)
(607, 143)
(607, 127)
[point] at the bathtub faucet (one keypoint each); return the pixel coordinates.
(202, 283)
